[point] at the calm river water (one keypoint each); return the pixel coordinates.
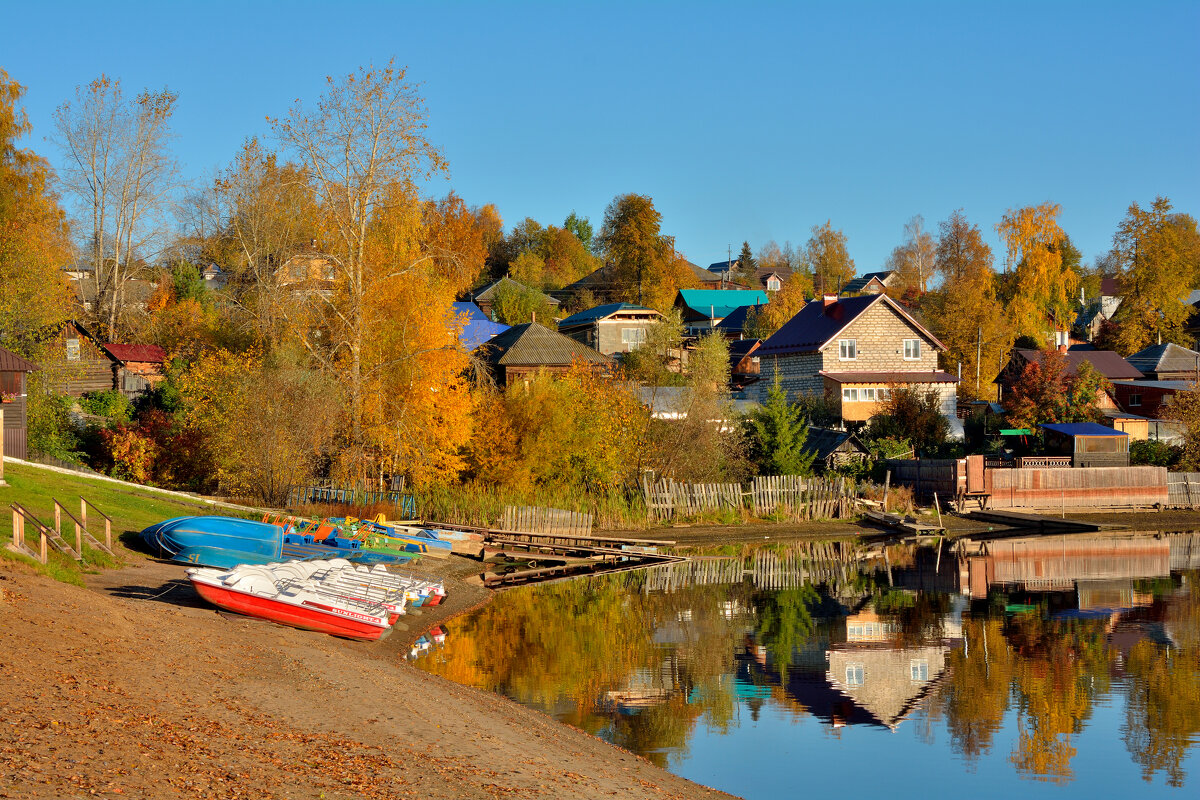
(1058, 666)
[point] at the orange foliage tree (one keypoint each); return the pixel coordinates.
(1043, 290)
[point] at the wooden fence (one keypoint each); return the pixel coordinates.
(926, 475)
(553, 521)
(406, 504)
(771, 492)
(1183, 489)
(799, 497)
(667, 497)
(1080, 487)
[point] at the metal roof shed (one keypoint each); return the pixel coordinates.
(1088, 444)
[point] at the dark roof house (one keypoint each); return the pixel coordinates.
(1105, 362)
(524, 350)
(612, 327)
(871, 282)
(1167, 362)
(485, 297)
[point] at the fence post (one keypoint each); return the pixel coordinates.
(887, 484)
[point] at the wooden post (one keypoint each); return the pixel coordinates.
(2, 483)
(938, 507)
(18, 534)
(887, 483)
(937, 568)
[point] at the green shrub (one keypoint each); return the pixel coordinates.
(1155, 454)
(109, 403)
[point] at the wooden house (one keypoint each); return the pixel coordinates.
(138, 367)
(14, 395)
(852, 351)
(611, 328)
(744, 366)
(1146, 398)
(81, 364)
(1105, 362)
(1167, 362)
(522, 351)
(704, 309)
(835, 448)
(485, 298)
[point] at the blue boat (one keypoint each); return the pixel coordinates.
(226, 541)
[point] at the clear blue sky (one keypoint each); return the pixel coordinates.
(742, 121)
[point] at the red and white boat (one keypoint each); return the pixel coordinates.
(290, 601)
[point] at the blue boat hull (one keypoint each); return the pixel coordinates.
(227, 542)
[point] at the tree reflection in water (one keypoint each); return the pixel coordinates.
(644, 669)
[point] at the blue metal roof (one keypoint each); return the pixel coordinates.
(478, 328)
(720, 303)
(600, 312)
(1083, 429)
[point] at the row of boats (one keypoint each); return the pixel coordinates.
(333, 596)
(328, 575)
(224, 542)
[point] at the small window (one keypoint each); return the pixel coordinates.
(866, 394)
(299, 271)
(849, 395)
(1135, 399)
(855, 675)
(773, 284)
(847, 349)
(912, 349)
(919, 670)
(72, 349)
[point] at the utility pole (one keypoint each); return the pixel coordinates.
(978, 356)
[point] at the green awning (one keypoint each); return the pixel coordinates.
(1015, 432)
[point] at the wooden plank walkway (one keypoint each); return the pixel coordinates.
(1039, 522)
(569, 571)
(896, 522)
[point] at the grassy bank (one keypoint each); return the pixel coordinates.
(130, 509)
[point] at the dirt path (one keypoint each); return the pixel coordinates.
(134, 687)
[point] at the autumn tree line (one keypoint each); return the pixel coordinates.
(331, 346)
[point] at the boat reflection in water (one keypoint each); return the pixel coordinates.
(1073, 661)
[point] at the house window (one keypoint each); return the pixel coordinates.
(855, 675)
(633, 338)
(849, 395)
(847, 349)
(72, 349)
(866, 394)
(919, 670)
(912, 349)
(1135, 399)
(299, 271)
(773, 284)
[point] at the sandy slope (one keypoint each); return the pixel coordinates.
(113, 692)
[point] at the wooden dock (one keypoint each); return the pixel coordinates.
(624, 563)
(899, 524)
(1039, 522)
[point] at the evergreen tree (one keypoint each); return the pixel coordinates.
(745, 261)
(779, 432)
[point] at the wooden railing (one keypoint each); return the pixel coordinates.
(84, 505)
(1044, 462)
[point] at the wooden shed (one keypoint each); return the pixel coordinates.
(14, 374)
(1089, 444)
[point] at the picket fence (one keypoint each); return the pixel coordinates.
(553, 521)
(801, 498)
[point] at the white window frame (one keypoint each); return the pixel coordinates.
(73, 350)
(912, 349)
(867, 394)
(849, 394)
(856, 675)
(847, 346)
(633, 338)
(918, 669)
(773, 284)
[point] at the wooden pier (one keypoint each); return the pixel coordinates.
(900, 524)
(1039, 522)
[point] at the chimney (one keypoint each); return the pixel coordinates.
(829, 300)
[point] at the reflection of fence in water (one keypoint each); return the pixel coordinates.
(1185, 550)
(799, 565)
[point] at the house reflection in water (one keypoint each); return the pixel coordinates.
(883, 673)
(865, 669)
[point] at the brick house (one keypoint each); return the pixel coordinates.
(852, 351)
